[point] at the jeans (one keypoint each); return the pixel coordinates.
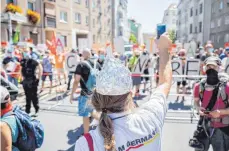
(219, 141)
(13, 80)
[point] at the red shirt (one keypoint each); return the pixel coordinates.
(206, 99)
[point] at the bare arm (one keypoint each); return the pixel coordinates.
(40, 70)
(165, 68)
(6, 138)
(75, 86)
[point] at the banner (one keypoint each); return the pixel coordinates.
(59, 47)
(177, 69)
(192, 67)
(141, 63)
(225, 63)
(71, 61)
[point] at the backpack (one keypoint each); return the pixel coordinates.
(91, 82)
(31, 132)
(224, 78)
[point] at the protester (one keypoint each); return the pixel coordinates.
(132, 64)
(30, 81)
(12, 67)
(8, 124)
(59, 64)
(83, 75)
(101, 54)
(211, 101)
(71, 73)
(18, 130)
(208, 52)
(221, 53)
(182, 56)
(146, 68)
(47, 63)
(225, 60)
(120, 128)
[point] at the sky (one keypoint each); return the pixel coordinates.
(148, 12)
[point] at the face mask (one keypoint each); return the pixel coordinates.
(212, 77)
(26, 55)
(101, 57)
(210, 50)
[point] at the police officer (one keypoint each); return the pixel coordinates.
(30, 81)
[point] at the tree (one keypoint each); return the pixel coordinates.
(172, 35)
(133, 39)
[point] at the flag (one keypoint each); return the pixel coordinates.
(52, 44)
(16, 35)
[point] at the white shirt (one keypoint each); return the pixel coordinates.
(141, 130)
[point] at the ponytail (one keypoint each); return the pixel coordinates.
(107, 131)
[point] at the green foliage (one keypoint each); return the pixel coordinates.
(133, 39)
(172, 35)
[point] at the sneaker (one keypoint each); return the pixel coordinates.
(36, 114)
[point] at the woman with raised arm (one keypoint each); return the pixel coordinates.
(120, 127)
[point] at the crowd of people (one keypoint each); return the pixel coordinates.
(107, 79)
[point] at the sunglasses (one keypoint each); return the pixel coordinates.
(7, 97)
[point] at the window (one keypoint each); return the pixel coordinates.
(77, 1)
(174, 21)
(63, 40)
(201, 8)
(200, 27)
(196, 29)
(11, 1)
(221, 5)
(174, 13)
(191, 12)
(219, 22)
(213, 38)
(77, 17)
(34, 37)
(196, 12)
(63, 16)
(218, 38)
(31, 6)
(227, 20)
(87, 20)
(226, 38)
(93, 22)
(190, 28)
(212, 24)
(86, 3)
(51, 22)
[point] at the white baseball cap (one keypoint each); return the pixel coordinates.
(4, 94)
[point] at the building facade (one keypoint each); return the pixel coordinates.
(120, 26)
(170, 17)
(21, 22)
(193, 21)
(219, 34)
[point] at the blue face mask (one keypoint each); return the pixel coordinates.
(211, 50)
(101, 57)
(26, 55)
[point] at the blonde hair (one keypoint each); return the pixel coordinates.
(113, 104)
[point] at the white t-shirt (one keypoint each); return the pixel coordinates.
(141, 129)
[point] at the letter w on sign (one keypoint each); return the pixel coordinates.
(141, 63)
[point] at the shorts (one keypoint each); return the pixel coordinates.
(45, 74)
(136, 80)
(84, 109)
(184, 83)
(60, 70)
(146, 72)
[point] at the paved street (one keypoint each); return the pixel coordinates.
(63, 126)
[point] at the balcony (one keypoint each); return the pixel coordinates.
(50, 22)
(121, 22)
(50, 9)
